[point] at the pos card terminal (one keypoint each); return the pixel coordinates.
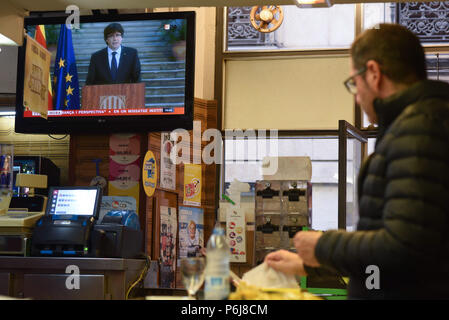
(66, 227)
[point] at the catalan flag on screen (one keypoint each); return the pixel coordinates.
(65, 79)
(41, 39)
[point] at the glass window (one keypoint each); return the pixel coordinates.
(437, 69)
(313, 28)
(353, 164)
(366, 123)
(428, 20)
(243, 159)
(438, 66)
(374, 13)
(370, 146)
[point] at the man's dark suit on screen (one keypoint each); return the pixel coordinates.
(100, 71)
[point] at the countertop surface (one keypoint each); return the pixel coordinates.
(12, 262)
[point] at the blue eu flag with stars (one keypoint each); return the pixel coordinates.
(65, 79)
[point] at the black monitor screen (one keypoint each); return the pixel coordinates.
(113, 73)
(82, 201)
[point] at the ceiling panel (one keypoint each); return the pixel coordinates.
(51, 5)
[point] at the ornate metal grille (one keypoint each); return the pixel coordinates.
(428, 20)
(240, 31)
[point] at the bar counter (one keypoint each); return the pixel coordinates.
(56, 277)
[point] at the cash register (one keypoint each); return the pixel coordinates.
(66, 227)
(16, 225)
(70, 227)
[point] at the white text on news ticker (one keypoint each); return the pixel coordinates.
(229, 309)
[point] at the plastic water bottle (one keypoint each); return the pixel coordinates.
(216, 277)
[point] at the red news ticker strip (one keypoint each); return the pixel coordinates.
(106, 112)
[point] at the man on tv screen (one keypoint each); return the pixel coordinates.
(116, 63)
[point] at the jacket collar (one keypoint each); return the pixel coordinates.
(388, 109)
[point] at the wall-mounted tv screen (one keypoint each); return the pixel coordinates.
(112, 73)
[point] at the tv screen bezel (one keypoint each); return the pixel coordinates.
(110, 124)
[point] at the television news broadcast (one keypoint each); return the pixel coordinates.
(137, 68)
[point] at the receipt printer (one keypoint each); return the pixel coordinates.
(66, 227)
(118, 235)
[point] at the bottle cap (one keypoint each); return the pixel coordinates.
(218, 230)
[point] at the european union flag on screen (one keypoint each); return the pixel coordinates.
(65, 79)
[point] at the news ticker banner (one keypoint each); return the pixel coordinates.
(124, 166)
(107, 112)
(37, 72)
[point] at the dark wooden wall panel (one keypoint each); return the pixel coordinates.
(205, 111)
(85, 148)
(82, 168)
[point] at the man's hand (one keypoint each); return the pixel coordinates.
(305, 243)
(286, 262)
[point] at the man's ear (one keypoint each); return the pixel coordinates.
(373, 75)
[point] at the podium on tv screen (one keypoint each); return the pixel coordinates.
(113, 96)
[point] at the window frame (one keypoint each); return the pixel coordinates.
(347, 131)
(282, 134)
(222, 55)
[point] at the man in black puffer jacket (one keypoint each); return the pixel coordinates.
(401, 247)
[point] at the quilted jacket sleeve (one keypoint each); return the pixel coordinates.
(411, 178)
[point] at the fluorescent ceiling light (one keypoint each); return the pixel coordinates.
(313, 3)
(5, 41)
(7, 113)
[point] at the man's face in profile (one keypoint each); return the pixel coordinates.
(114, 40)
(365, 95)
